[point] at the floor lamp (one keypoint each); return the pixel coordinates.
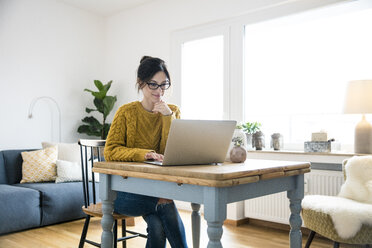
(358, 100)
(59, 113)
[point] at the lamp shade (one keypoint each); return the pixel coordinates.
(358, 98)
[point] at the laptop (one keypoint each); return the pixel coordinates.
(193, 142)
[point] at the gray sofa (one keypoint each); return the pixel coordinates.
(30, 205)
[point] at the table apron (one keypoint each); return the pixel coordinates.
(195, 193)
(261, 188)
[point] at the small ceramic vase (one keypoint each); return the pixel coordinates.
(238, 154)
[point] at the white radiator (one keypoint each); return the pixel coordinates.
(275, 208)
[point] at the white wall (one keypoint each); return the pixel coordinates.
(51, 49)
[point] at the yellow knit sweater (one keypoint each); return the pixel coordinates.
(135, 132)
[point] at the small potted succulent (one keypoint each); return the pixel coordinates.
(250, 128)
(238, 154)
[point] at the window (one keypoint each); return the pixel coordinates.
(286, 66)
(296, 69)
(202, 78)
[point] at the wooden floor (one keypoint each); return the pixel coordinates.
(68, 235)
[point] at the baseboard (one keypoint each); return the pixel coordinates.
(274, 225)
(236, 222)
(263, 223)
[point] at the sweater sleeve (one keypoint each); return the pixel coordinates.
(166, 123)
(116, 146)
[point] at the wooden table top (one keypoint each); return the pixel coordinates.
(222, 175)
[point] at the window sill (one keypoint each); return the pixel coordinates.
(313, 157)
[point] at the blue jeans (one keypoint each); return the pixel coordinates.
(163, 220)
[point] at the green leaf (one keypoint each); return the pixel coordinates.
(100, 95)
(92, 128)
(88, 110)
(89, 90)
(97, 94)
(92, 121)
(108, 105)
(99, 85)
(99, 105)
(89, 130)
(107, 86)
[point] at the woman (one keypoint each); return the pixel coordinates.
(139, 132)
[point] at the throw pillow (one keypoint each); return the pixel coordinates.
(66, 151)
(68, 171)
(39, 166)
(71, 172)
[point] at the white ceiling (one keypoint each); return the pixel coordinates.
(105, 7)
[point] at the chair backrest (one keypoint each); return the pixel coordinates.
(90, 151)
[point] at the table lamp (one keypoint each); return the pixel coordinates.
(358, 100)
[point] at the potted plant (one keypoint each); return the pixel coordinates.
(104, 104)
(249, 128)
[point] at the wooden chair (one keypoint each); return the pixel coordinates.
(91, 151)
(320, 221)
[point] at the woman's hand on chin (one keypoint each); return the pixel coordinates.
(162, 108)
(154, 156)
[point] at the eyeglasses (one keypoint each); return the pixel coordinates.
(154, 86)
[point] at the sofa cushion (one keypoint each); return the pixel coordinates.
(13, 165)
(59, 201)
(2, 169)
(19, 208)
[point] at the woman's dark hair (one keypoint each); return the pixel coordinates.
(148, 67)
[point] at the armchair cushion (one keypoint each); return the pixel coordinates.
(347, 216)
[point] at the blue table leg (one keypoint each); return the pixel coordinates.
(215, 214)
(107, 197)
(195, 221)
(295, 197)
